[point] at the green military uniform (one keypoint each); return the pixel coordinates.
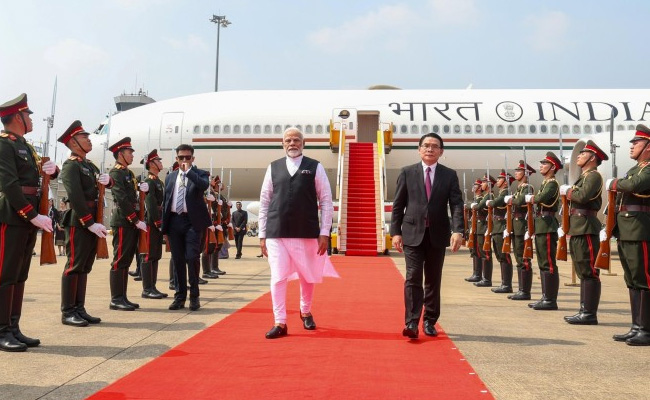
(633, 231)
(481, 235)
(125, 233)
(546, 203)
(477, 264)
(498, 227)
(519, 227)
(19, 199)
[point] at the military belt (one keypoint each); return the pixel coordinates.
(546, 214)
(519, 214)
(635, 208)
(583, 212)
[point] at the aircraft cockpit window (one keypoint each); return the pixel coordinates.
(319, 129)
(414, 129)
(216, 129)
(489, 129)
(543, 129)
(236, 129)
(206, 129)
(197, 129)
(576, 129)
(247, 129)
(309, 129)
(587, 129)
(478, 129)
(511, 129)
(277, 129)
(532, 128)
(468, 129)
(257, 129)
(599, 128)
(456, 128)
(446, 129)
(565, 129)
(226, 129)
(522, 129)
(436, 129)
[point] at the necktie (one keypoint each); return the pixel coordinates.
(427, 183)
(180, 198)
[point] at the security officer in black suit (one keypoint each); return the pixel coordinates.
(124, 223)
(80, 178)
(20, 170)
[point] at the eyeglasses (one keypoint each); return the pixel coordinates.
(184, 157)
(430, 146)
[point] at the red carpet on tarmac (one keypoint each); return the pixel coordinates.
(357, 351)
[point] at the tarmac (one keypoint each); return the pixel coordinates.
(519, 353)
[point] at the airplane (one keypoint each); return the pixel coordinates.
(241, 131)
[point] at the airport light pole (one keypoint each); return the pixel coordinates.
(221, 21)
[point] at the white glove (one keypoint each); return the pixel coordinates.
(141, 225)
(473, 206)
(49, 167)
(229, 225)
(211, 227)
(144, 187)
(529, 198)
(229, 203)
(506, 234)
(564, 189)
(608, 183)
(210, 197)
(220, 202)
(219, 228)
(507, 199)
(526, 236)
(104, 179)
(43, 222)
(560, 232)
(98, 229)
(490, 203)
(603, 236)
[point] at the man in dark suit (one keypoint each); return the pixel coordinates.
(185, 219)
(421, 229)
(239, 222)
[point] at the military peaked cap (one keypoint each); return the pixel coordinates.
(14, 106)
(120, 145)
(552, 158)
(74, 129)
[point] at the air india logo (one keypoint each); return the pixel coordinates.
(509, 111)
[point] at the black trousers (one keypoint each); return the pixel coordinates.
(185, 243)
(239, 241)
(428, 260)
(81, 248)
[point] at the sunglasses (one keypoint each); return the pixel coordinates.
(184, 157)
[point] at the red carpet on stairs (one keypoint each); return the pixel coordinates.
(357, 351)
(361, 196)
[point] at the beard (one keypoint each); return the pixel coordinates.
(293, 153)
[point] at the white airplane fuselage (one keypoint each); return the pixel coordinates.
(241, 131)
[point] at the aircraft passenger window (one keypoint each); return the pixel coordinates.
(565, 129)
(543, 129)
(206, 129)
(477, 129)
(576, 129)
(267, 129)
(247, 129)
(327, 128)
(456, 128)
(554, 129)
(587, 129)
(236, 129)
(299, 127)
(319, 129)
(216, 129)
(277, 129)
(257, 129)
(620, 127)
(436, 129)
(404, 129)
(446, 128)
(489, 129)
(425, 129)
(631, 127)
(176, 129)
(287, 127)
(521, 130)
(607, 128)
(532, 128)
(414, 129)
(599, 128)
(226, 129)
(501, 129)
(511, 129)
(309, 129)
(468, 129)
(197, 129)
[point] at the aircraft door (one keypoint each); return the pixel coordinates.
(368, 125)
(171, 130)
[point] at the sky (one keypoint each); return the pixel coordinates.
(99, 49)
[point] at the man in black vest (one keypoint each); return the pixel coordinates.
(239, 222)
(290, 235)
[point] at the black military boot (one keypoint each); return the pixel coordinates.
(506, 278)
(214, 260)
(526, 284)
(205, 265)
(82, 282)
(476, 270)
(69, 314)
(549, 300)
(16, 310)
(147, 282)
(486, 281)
(154, 277)
(7, 340)
(582, 302)
(125, 280)
(116, 280)
(519, 282)
(588, 314)
(543, 285)
(635, 302)
(642, 338)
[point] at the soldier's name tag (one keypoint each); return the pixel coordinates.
(22, 151)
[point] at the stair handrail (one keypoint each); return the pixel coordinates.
(339, 184)
(381, 158)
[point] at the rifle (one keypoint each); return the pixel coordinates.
(530, 216)
(143, 236)
(487, 243)
(603, 258)
(211, 238)
(48, 255)
(231, 231)
(220, 238)
(102, 246)
(472, 233)
(507, 241)
(561, 253)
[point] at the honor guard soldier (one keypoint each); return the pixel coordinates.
(20, 171)
(153, 201)
(498, 228)
(124, 223)
(477, 265)
(546, 226)
(585, 197)
(80, 178)
(633, 233)
(210, 255)
(481, 231)
(518, 202)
